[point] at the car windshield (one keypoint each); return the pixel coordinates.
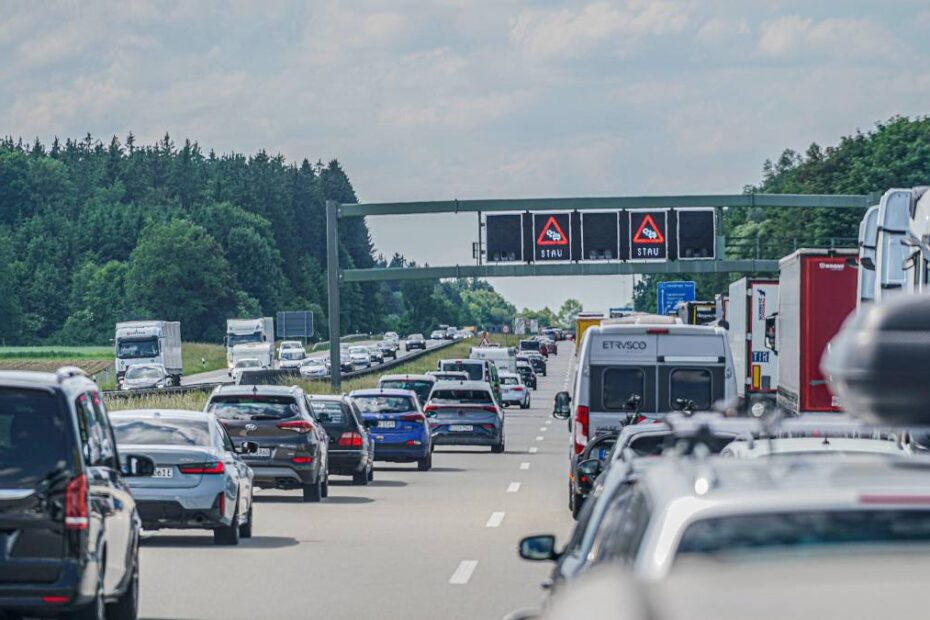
(145, 372)
(253, 407)
(33, 437)
(249, 363)
(803, 531)
(415, 337)
(129, 349)
(153, 431)
(475, 372)
(358, 351)
(476, 397)
(234, 339)
(385, 404)
(313, 362)
(292, 354)
(419, 386)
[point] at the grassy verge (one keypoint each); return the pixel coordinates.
(55, 353)
(192, 352)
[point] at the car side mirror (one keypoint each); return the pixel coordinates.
(562, 407)
(867, 262)
(248, 447)
(138, 466)
(540, 548)
(771, 332)
(588, 471)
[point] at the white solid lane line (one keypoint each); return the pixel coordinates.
(514, 487)
(496, 519)
(525, 465)
(534, 450)
(463, 573)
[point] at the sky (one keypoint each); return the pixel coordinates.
(443, 99)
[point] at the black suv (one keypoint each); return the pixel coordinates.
(292, 443)
(351, 450)
(67, 518)
(415, 341)
(526, 372)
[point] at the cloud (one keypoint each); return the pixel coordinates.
(720, 29)
(795, 37)
(553, 33)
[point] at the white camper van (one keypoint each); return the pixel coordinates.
(505, 358)
(644, 365)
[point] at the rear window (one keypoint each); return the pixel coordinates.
(475, 371)
(385, 404)
(149, 431)
(479, 397)
(421, 388)
(33, 439)
(623, 388)
(529, 345)
(510, 381)
(253, 407)
(330, 413)
(693, 385)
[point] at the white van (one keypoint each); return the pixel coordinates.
(505, 358)
(632, 368)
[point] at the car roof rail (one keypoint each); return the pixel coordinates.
(69, 372)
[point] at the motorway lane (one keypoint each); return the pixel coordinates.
(388, 550)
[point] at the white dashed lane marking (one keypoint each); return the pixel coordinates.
(534, 450)
(496, 519)
(514, 487)
(525, 465)
(463, 573)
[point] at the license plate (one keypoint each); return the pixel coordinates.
(163, 472)
(262, 453)
(387, 424)
(459, 428)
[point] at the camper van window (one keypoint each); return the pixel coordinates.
(692, 384)
(623, 388)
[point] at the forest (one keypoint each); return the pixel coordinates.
(92, 233)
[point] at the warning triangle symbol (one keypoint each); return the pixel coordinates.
(552, 233)
(648, 232)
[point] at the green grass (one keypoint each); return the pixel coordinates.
(192, 352)
(53, 352)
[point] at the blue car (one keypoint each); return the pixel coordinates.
(398, 426)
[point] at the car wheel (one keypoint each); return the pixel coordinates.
(371, 474)
(245, 530)
(425, 464)
(324, 489)
(361, 478)
(126, 607)
(228, 535)
(97, 608)
(499, 448)
(525, 405)
(313, 491)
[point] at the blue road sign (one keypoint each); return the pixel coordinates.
(668, 294)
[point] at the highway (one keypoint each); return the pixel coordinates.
(438, 544)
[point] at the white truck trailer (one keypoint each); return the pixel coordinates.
(251, 332)
(149, 342)
(751, 301)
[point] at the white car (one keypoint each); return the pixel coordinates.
(794, 446)
(243, 365)
(513, 392)
(292, 358)
(287, 345)
(145, 376)
(314, 368)
(438, 334)
(359, 357)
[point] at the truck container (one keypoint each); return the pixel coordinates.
(249, 331)
(696, 312)
(583, 321)
(149, 342)
(817, 291)
(751, 301)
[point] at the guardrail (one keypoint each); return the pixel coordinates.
(274, 377)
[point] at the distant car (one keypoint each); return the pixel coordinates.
(292, 445)
(451, 375)
(465, 413)
(351, 448)
(359, 357)
(513, 392)
(438, 334)
(245, 365)
(388, 349)
(537, 361)
(375, 355)
(288, 345)
(415, 341)
(526, 372)
(200, 481)
(65, 499)
(313, 368)
(421, 385)
(292, 357)
(552, 348)
(146, 376)
(398, 425)
(477, 369)
(450, 332)
(392, 338)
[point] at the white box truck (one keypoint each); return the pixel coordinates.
(250, 331)
(149, 342)
(751, 301)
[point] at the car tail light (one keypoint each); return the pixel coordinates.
(55, 600)
(349, 440)
(657, 331)
(302, 460)
(581, 428)
(488, 427)
(298, 426)
(76, 503)
(640, 418)
(490, 408)
(430, 408)
(203, 468)
(413, 417)
(518, 389)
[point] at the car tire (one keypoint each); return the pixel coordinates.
(361, 478)
(228, 535)
(525, 405)
(426, 463)
(126, 606)
(245, 530)
(499, 448)
(313, 492)
(371, 474)
(324, 489)
(97, 608)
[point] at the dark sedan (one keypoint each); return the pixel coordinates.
(351, 449)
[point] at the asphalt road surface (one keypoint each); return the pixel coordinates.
(412, 545)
